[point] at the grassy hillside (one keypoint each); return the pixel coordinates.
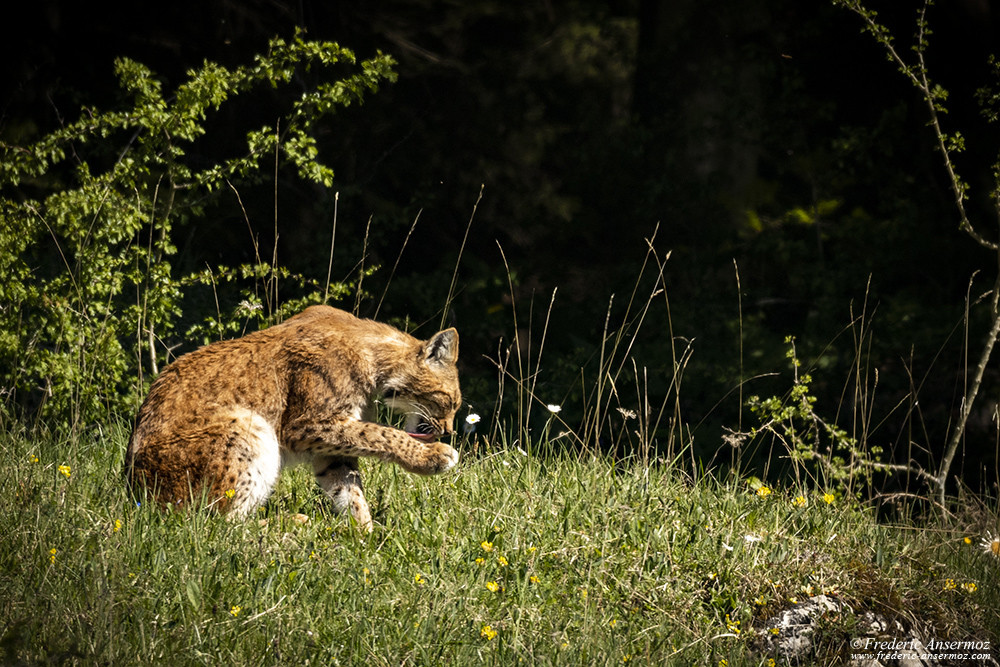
(515, 558)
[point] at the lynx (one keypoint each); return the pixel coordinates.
(220, 422)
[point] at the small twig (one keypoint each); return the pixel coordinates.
(333, 240)
(277, 604)
(461, 251)
(394, 266)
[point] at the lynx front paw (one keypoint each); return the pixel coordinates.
(435, 458)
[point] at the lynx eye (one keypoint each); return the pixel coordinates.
(444, 402)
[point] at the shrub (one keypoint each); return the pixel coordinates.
(88, 214)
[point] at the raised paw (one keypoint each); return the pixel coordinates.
(435, 458)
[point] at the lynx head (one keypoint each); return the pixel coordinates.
(426, 390)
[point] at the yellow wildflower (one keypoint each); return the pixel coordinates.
(492, 586)
(52, 555)
(480, 560)
(533, 579)
(828, 498)
(763, 491)
(488, 633)
(734, 626)
(419, 580)
(487, 546)
(949, 585)
(118, 525)
(230, 493)
(799, 501)
(235, 610)
(502, 561)
(969, 587)
(65, 470)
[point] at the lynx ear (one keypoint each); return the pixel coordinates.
(442, 348)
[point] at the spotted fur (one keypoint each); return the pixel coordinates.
(220, 422)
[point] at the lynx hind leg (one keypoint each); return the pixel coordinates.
(248, 466)
(340, 479)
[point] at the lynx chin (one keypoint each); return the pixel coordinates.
(221, 421)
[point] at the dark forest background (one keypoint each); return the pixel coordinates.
(772, 136)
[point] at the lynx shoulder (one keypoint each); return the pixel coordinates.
(220, 422)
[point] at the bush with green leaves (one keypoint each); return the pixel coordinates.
(88, 213)
(823, 451)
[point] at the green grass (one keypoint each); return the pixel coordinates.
(567, 560)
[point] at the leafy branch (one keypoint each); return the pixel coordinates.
(948, 145)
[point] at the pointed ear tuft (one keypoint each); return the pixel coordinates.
(442, 348)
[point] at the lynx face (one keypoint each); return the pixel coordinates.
(427, 416)
(430, 396)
